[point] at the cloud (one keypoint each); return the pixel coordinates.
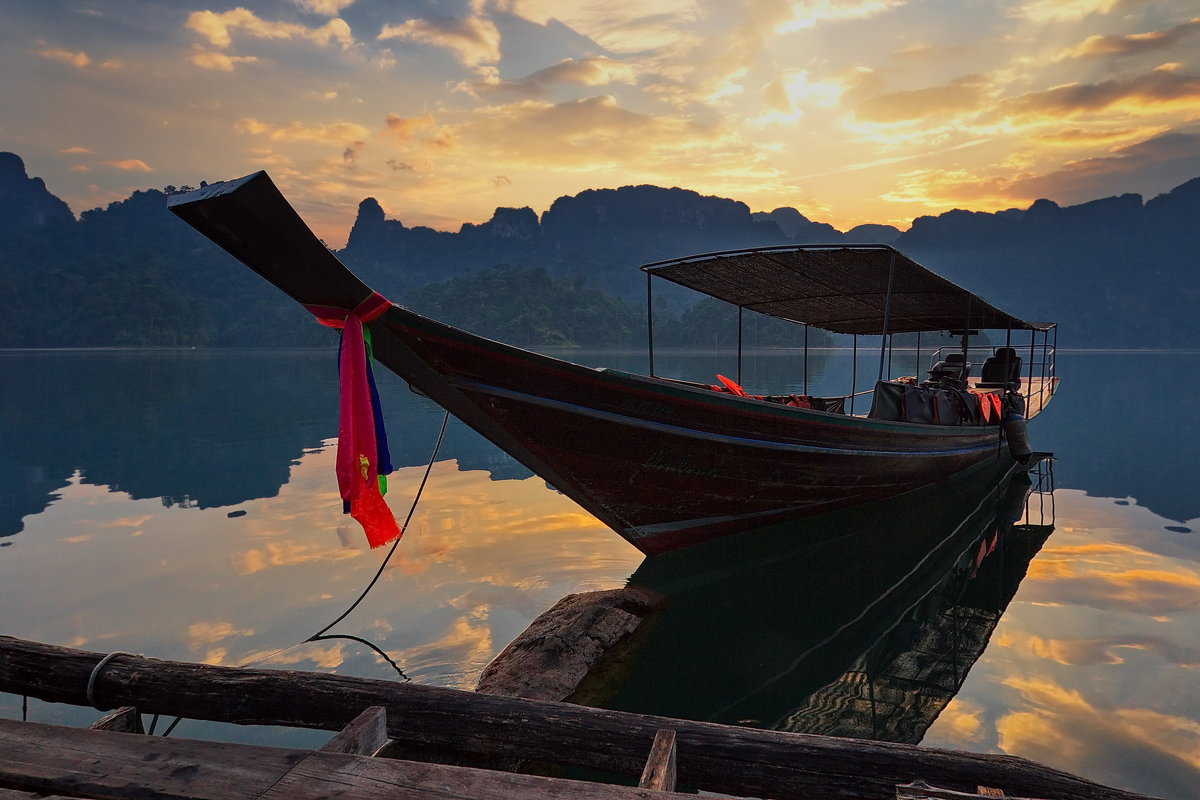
(619, 26)
(474, 41)
(130, 165)
(76, 150)
(77, 60)
(329, 8)
(966, 94)
(805, 14)
(1134, 43)
(1046, 11)
(1166, 159)
(926, 53)
(786, 97)
(218, 28)
(339, 133)
(597, 71)
(1159, 90)
(350, 154)
(215, 59)
(402, 128)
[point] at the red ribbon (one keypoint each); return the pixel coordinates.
(357, 457)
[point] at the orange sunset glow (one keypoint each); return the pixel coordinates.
(851, 111)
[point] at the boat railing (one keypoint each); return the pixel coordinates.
(1038, 367)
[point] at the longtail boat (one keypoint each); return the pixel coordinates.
(666, 463)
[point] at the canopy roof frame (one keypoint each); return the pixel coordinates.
(791, 282)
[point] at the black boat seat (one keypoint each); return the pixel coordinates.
(1001, 371)
(954, 368)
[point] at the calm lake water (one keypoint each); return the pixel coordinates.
(183, 504)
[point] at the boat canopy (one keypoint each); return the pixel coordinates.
(844, 288)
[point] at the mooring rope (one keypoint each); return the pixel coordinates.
(321, 635)
(91, 684)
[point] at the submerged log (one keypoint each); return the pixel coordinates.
(716, 758)
(554, 654)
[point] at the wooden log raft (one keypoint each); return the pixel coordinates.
(716, 758)
(551, 657)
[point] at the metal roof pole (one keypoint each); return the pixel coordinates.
(650, 321)
(887, 312)
(1029, 389)
(853, 373)
(917, 368)
(806, 358)
(739, 371)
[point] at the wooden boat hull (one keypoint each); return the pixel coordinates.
(663, 464)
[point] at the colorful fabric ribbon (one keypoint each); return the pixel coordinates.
(363, 460)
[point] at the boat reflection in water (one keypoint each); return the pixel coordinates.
(868, 634)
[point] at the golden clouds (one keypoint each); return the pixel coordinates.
(338, 133)
(474, 41)
(619, 26)
(1119, 45)
(1156, 91)
(803, 14)
(1051, 11)
(130, 165)
(215, 59)
(77, 60)
(218, 29)
(966, 94)
(403, 129)
(327, 7)
(598, 71)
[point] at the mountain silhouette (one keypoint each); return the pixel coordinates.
(1114, 271)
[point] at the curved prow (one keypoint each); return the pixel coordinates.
(251, 220)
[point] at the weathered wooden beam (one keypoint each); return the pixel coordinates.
(717, 758)
(125, 719)
(82, 762)
(659, 772)
(364, 736)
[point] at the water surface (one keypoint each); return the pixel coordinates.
(183, 504)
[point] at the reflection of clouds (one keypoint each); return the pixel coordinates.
(1090, 651)
(324, 656)
(961, 722)
(1062, 728)
(129, 522)
(287, 554)
(1112, 576)
(462, 651)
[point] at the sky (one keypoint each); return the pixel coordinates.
(851, 111)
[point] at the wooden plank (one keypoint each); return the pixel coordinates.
(125, 719)
(80, 762)
(988, 791)
(364, 736)
(659, 772)
(720, 758)
(54, 759)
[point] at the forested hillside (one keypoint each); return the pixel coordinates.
(1116, 272)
